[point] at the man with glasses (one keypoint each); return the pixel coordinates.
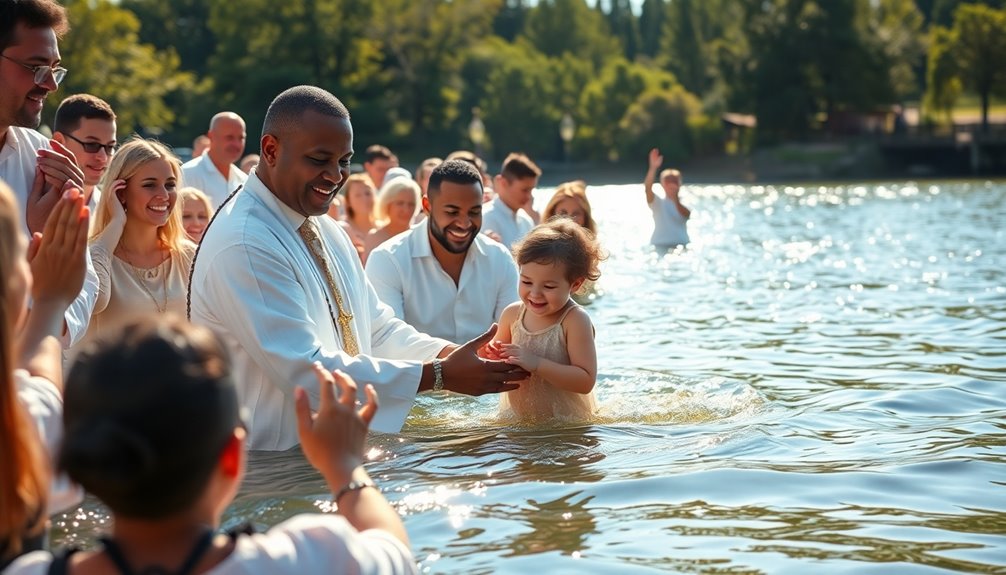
(34, 167)
(85, 124)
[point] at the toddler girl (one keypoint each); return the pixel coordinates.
(546, 332)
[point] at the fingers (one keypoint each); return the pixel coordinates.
(33, 245)
(303, 407)
(482, 339)
(368, 411)
(37, 186)
(347, 388)
(60, 148)
(325, 382)
(60, 169)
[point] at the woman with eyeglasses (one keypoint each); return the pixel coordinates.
(140, 250)
(153, 431)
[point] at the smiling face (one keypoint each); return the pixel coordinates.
(402, 208)
(21, 99)
(305, 167)
(195, 218)
(515, 192)
(360, 198)
(150, 194)
(455, 215)
(544, 289)
(91, 131)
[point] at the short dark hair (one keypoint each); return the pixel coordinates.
(471, 158)
(377, 152)
(287, 108)
(125, 398)
(34, 14)
(562, 241)
(519, 167)
(80, 107)
(454, 171)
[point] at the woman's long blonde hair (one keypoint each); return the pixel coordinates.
(24, 468)
(127, 160)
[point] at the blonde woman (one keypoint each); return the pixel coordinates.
(570, 200)
(397, 203)
(138, 244)
(359, 210)
(197, 209)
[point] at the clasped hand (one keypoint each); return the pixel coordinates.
(465, 371)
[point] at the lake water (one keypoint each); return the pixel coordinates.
(816, 385)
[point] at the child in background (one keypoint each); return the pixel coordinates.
(196, 212)
(555, 341)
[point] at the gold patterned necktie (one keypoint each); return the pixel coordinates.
(344, 319)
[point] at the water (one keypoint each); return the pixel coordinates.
(814, 386)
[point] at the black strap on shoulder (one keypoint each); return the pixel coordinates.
(192, 266)
(119, 559)
(61, 561)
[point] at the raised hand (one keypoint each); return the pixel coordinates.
(53, 170)
(656, 160)
(466, 372)
(57, 254)
(333, 439)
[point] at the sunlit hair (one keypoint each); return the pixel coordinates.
(124, 399)
(577, 191)
(24, 471)
(519, 167)
(190, 193)
(426, 168)
(128, 160)
(361, 179)
(670, 173)
(390, 190)
(563, 242)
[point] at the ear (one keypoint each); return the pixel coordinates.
(232, 456)
(270, 150)
(59, 137)
(426, 203)
(575, 286)
(499, 182)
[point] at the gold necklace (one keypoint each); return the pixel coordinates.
(143, 284)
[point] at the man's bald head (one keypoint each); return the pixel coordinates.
(286, 110)
(227, 138)
(223, 117)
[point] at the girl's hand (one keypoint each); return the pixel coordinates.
(57, 255)
(516, 355)
(333, 438)
(492, 350)
(656, 160)
(119, 204)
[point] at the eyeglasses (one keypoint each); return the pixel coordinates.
(92, 147)
(41, 71)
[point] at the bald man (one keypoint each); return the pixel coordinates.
(214, 172)
(283, 285)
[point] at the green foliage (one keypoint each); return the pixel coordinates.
(557, 27)
(671, 120)
(971, 55)
(105, 58)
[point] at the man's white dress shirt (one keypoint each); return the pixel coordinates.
(510, 225)
(18, 159)
(254, 282)
(408, 277)
(200, 173)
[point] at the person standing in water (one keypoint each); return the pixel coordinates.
(670, 216)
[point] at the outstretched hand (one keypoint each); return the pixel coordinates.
(333, 439)
(656, 159)
(465, 372)
(57, 254)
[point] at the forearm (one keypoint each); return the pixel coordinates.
(568, 377)
(40, 352)
(651, 176)
(366, 508)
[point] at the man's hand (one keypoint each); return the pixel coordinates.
(465, 372)
(53, 170)
(656, 160)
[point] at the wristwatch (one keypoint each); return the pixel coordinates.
(438, 374)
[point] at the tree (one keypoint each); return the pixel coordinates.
(651, 23)
(980, 50)
(557, 27)
(943, 85)
(662, 118)
(623, 25)
(105, 58)
(509, 21)
(179, 24)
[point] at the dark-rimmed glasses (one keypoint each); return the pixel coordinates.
(41, 71)
(92, 147)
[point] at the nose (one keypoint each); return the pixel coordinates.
(49, 82)
(102, 154)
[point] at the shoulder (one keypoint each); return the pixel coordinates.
(34, 139)
(34, 563)
(577, 318)
(320, 543)
(194, 162)
(493, 248)
(510, 312)
(399, 245)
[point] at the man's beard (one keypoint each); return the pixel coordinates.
(441, 236)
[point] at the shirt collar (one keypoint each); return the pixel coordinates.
(255, 187)
(499, 204)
